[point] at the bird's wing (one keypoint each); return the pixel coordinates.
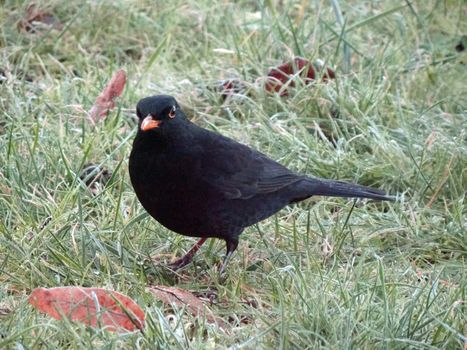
(239, 172)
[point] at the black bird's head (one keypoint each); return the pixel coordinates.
(158, 112)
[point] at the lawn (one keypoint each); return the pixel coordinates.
(328, 273)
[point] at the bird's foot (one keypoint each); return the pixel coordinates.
(188, 257)
(231, 247)
(222, 272)
(182, 262)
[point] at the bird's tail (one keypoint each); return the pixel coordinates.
(333, 188)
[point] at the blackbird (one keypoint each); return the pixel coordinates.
(202, 184)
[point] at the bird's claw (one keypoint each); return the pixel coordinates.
(188, 257)
(179, 263)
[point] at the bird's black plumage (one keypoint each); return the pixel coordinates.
(201, 184)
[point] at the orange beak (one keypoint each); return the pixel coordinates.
(148, 123)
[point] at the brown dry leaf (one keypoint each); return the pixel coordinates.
(181, 298)
(106, 100)
(92, 306)
(37, 20)
(5, 311)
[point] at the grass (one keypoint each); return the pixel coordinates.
(327, 273)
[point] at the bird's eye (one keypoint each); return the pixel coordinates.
(172, 112)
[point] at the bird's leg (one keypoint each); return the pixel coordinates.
(186, 259)
(232, 244)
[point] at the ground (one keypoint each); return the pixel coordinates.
(327, 273)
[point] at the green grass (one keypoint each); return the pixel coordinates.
(322, 274)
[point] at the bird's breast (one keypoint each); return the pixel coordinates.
(170, 190)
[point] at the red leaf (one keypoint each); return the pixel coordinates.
(284, 74)
(91, 306)
(106, 100)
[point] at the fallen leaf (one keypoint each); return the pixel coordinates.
(284, 74)
(91, 306)
(106, 100)
(37, 20)
(181, 298)
(5, 311)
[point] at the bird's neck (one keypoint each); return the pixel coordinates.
(177, 137)
(148, 141)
